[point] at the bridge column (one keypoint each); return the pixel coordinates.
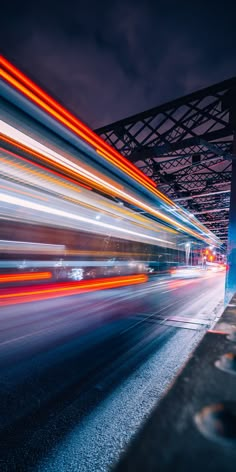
(230, 285)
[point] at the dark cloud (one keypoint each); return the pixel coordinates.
(106, 60)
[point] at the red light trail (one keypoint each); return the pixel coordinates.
(13, 296)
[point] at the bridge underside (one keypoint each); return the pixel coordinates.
(186, 146)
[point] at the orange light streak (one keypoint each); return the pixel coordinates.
(11, 297)
(61, 167)
(123, 212)
(74, 182)
(24, 276)
(49, 170)
(101, 187)
(63, 116)
(43, 100)
(25, 193)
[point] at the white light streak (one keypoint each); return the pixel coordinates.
(63, 214)
(31, 143)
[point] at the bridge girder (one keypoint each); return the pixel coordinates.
(186, 147)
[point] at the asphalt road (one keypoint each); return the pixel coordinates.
(79, 374)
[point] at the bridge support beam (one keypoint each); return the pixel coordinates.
(230, 287)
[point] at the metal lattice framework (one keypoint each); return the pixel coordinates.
(186, 147)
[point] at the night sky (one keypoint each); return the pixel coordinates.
(107, 60)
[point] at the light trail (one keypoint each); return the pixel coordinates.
(61, 213)
(36, 293)
(48, 104)
(24, 276)
(67, 119)
(44, 152)
(71, 188)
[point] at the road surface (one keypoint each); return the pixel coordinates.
(79, 374)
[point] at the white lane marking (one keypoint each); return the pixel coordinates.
(146, 318)
(179, 325)
(24, 336)
(171, 290)
(188, 320)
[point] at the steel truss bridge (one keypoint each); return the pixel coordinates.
(186, 146)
